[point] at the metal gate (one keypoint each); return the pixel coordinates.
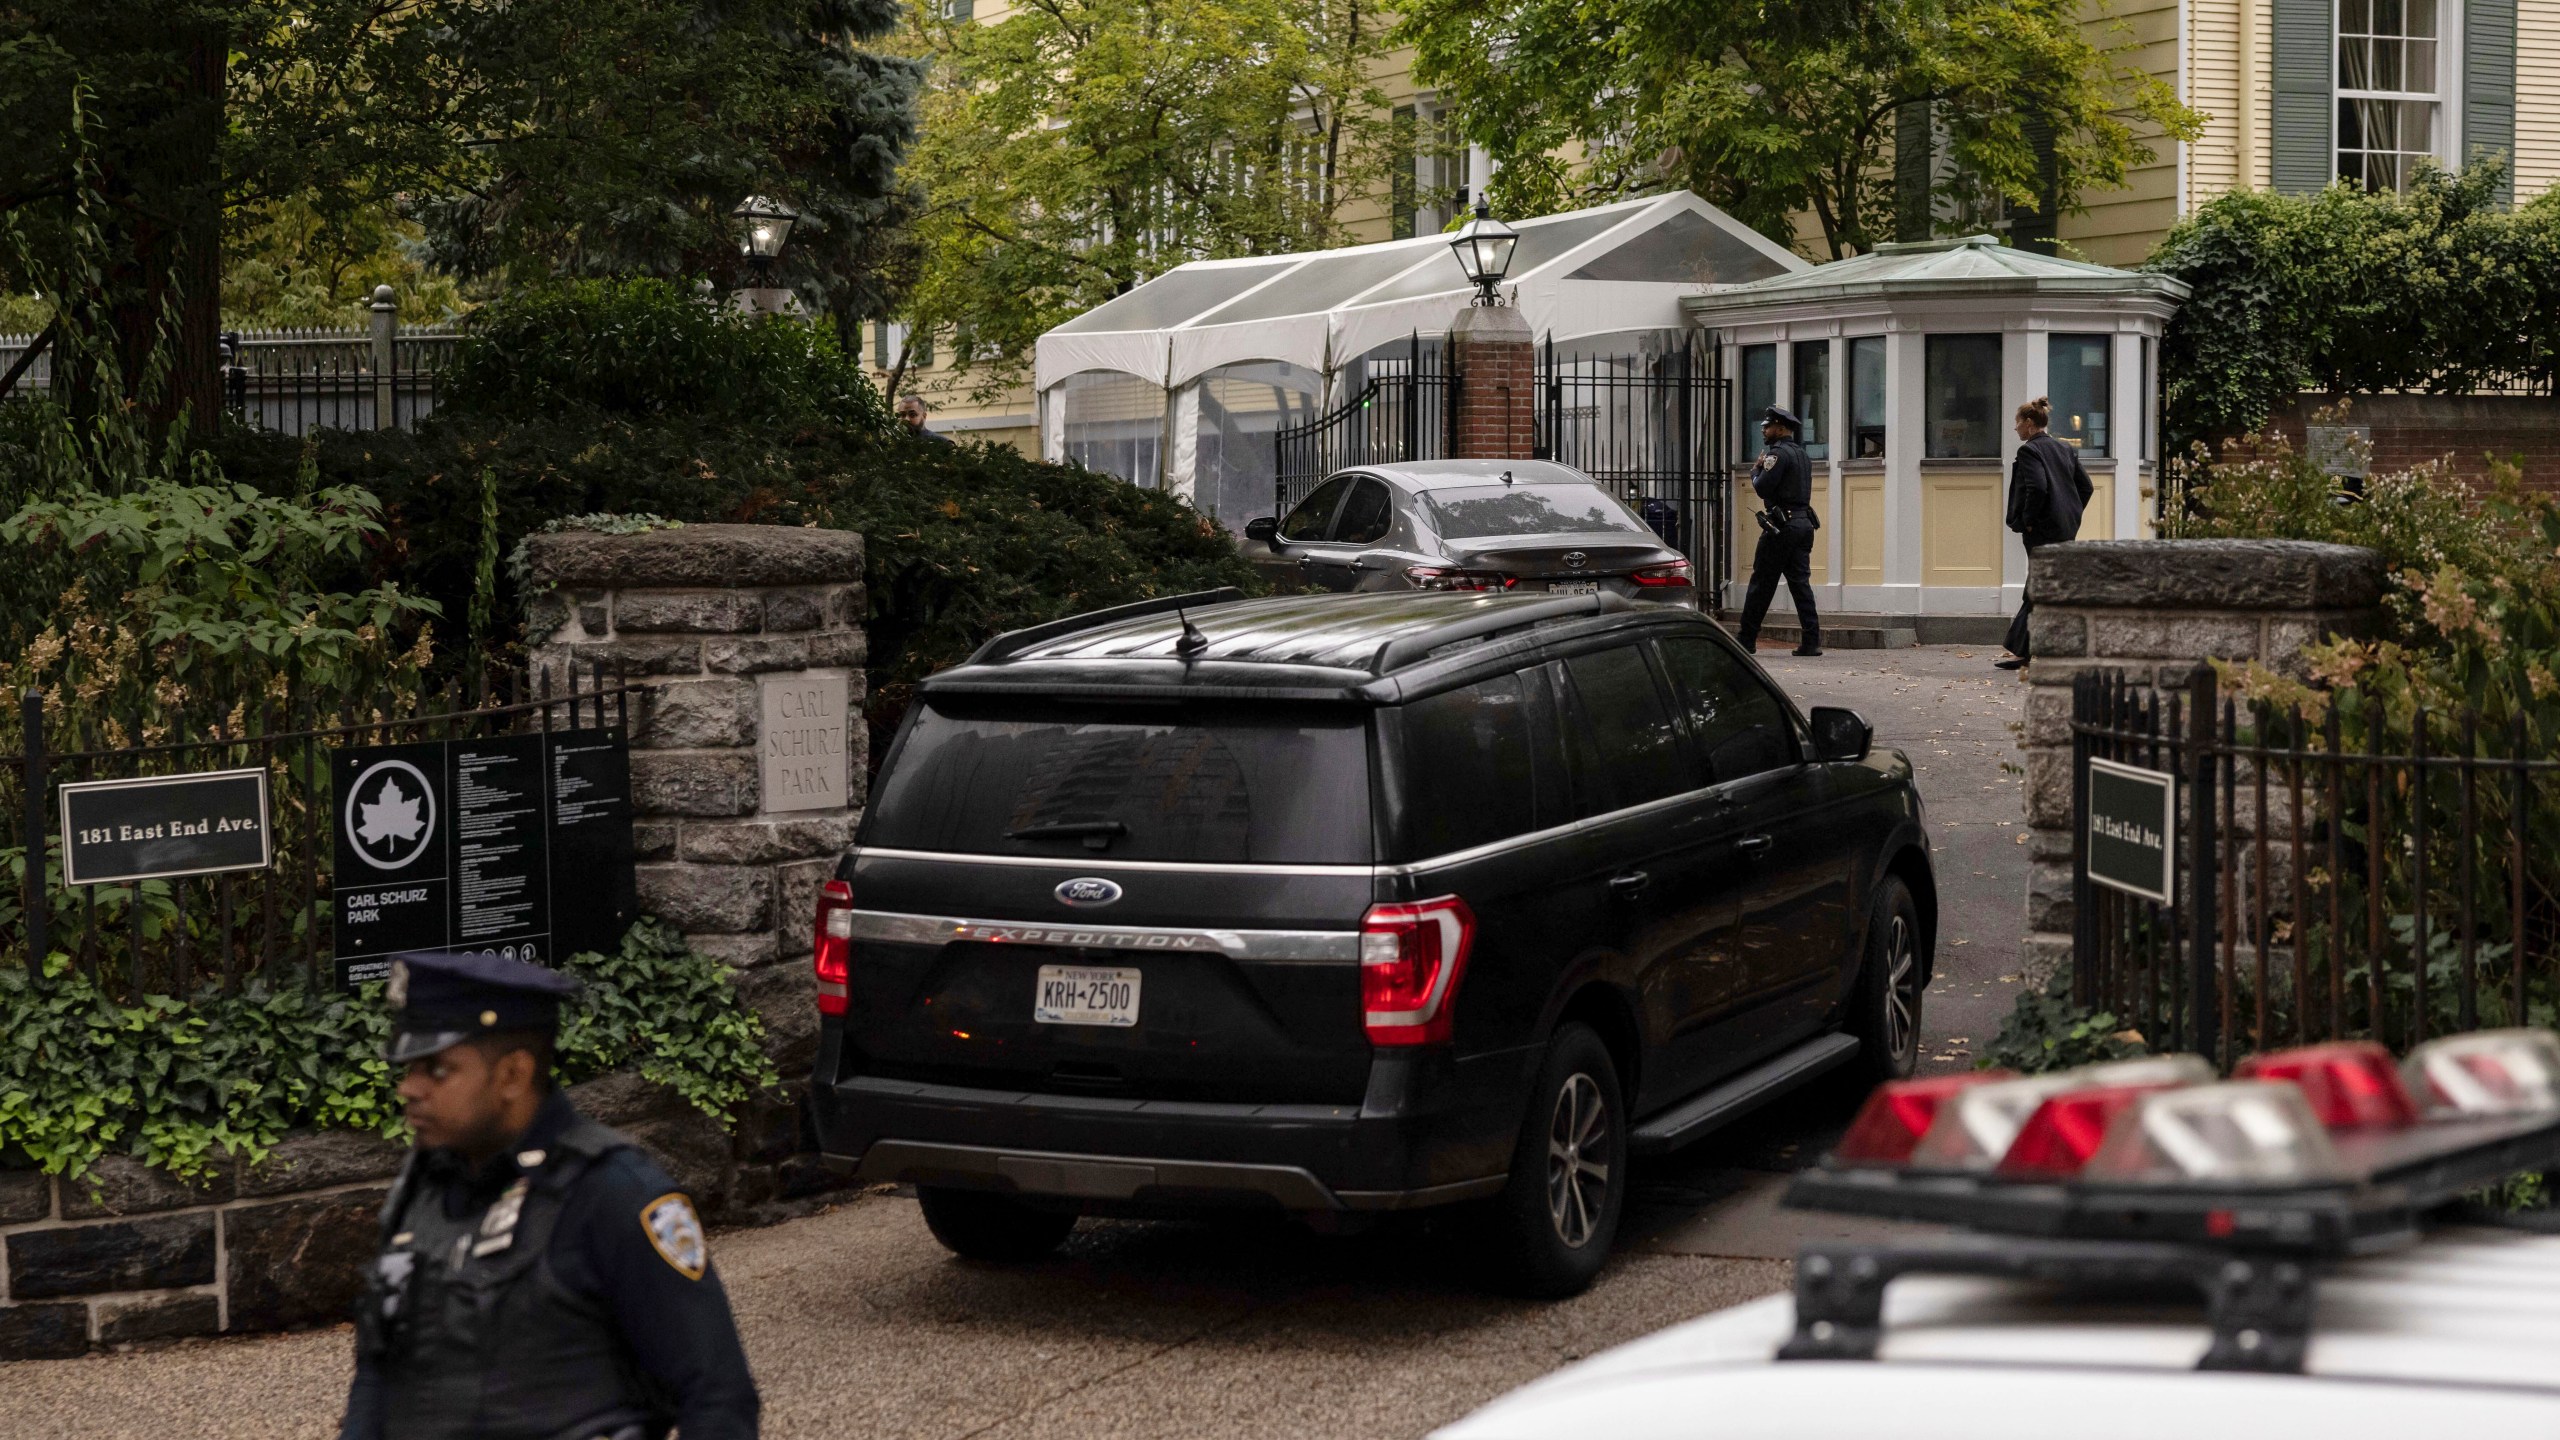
(1658, 429)
(1654, 426)
(1400, 412)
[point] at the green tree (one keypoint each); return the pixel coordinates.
(1079, 147)
(1784, 107)
(571, 136)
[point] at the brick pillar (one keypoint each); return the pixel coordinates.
(747, 774)
(2150, 610)
(1497, 384)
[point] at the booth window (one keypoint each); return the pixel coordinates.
(2079, 380)
(1813, 396)
(1866, 398)
(1962, 412)
(1759, 391)
(2142, 402)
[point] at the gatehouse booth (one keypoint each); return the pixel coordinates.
(1184, 382)
(1907, 364)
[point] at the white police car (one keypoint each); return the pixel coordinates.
(2305, 1205)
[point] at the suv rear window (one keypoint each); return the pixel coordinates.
(1276, 784)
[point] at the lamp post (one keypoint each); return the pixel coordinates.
(1483, 246)
(764, 227)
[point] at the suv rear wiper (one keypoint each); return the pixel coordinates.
(1096, 834)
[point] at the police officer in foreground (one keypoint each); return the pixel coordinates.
(540, 1278)
(1784, 482)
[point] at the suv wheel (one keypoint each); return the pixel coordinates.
(1885, 1012)
(1554, 1222)
(983, 1225)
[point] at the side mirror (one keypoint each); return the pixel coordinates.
(1265, 528)
(1840, 735)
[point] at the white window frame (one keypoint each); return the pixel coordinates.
(2446, 96)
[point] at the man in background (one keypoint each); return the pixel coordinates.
(911, 413)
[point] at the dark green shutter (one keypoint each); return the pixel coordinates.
(2038, 226)
(1400, 196)
(2489, 86)
(1912, 163)
(2301, 160)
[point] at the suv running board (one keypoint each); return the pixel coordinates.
(1740, 1095)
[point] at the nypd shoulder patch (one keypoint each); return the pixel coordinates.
(676, 1232)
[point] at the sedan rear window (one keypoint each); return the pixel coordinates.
(1479, 511)
(1276, 785)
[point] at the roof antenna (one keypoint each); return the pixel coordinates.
(1192, 641)
(1506, 477)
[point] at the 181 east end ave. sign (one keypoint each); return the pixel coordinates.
(159, 827)
(2133, 829)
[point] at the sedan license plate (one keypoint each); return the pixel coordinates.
(1573, 587)
(1086, 995)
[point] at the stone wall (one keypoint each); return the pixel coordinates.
(747, 765)
(2150, 610)
(126, 1253)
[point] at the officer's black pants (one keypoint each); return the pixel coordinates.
(1788, 553)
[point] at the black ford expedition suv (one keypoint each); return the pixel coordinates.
(1355, 903)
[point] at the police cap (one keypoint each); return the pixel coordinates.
(441, 998)
(1781, 415)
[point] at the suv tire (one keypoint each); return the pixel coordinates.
(983, 1225)
(1553, 1223)
(1884, 1010)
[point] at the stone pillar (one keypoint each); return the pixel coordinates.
(1497, 384)
(747, 769)
(2150, 610)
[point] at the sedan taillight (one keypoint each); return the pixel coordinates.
(1446, 577)
(1675, 573)
(832, 955)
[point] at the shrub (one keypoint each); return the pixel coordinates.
(2048, 1030)
(2353, 292)
(642, 348)
(183, 1083)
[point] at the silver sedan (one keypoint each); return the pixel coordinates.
(1503, 525)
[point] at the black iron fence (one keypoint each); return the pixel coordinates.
(167, 936)
(2316, 884)
(298, 381)
(1401, 410)
(1656, 427)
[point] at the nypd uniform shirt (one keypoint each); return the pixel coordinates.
(629, 1240)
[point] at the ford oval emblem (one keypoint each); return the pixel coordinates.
(1088, 891)
(1575, 558)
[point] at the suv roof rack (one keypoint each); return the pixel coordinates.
(1405, 650)
(1014, 642)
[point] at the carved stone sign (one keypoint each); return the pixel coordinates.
(802, 757)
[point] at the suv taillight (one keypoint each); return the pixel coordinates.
(1411, 959)
(1675, 573)
(832, 955)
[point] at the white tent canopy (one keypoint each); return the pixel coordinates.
(1600, 271)
(1175, 383)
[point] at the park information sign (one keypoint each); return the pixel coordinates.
(2133, 829)
(159, 827)
(512, 845)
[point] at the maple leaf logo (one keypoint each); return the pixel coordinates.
(393, 817)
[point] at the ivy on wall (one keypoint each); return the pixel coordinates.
(187, 1084)
(2345, 292)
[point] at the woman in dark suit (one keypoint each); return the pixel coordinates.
(2048, 488)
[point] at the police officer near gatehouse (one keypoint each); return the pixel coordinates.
(1783, 479)
(540, 1278)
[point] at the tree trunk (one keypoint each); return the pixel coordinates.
(164, 230)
